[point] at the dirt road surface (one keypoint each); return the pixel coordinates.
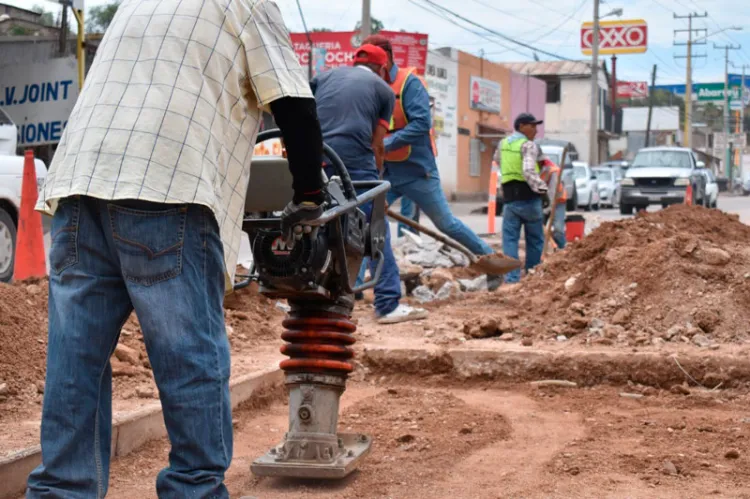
(498, 441)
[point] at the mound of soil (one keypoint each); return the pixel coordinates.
(251, 319)
(23, 338)
(680, 274)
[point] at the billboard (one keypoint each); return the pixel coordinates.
(616, 37)
(485, 95)
(632, 89)
(338, 48)
(39, 98)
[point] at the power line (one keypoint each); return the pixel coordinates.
(481, 35)
(493, 32)
(568, 18)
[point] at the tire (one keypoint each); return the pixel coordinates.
(596, 207)
(626, 209)
(7, 246)
(588, 204)
(572, 204)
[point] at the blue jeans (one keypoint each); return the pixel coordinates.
(529, 215)
(558, 224)
(166, 263)
(410, 211)
(427, 193)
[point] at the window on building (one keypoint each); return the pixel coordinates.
(475, 154)
(553, 92)
(431, 69)
(442, 73)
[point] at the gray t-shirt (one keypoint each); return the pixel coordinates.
(351, 102)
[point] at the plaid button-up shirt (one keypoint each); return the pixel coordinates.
(171, 107)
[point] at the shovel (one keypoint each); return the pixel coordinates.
(494, 264)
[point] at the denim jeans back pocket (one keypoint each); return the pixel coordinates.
(149, 240)
(63, 251)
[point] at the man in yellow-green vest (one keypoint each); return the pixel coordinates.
(524, 193)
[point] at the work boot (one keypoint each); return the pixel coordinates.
(403, 313)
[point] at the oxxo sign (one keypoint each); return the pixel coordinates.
(616, 37)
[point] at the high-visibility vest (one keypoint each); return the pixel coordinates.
(511, 160)
(548, 170)
(399, 119)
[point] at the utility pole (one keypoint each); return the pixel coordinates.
(366, 20)
(728, 153)
(687, 141)
(614, 90)
(64, 29)
(650, 106)
(742, 121)
(594, 114)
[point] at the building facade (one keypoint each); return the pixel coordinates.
(567, 108)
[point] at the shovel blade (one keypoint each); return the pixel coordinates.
(496, 264)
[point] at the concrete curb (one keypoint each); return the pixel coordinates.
(586, 368)
(128, 433)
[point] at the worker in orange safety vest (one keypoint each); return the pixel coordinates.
(549, 173)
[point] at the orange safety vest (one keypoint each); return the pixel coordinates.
(546, 175)
(399, 119)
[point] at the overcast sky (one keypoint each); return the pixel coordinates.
(550, 25)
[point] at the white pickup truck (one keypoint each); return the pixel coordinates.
(11, 177)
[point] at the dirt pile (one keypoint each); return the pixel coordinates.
(251, 319)
(23, 338)
(678, 275)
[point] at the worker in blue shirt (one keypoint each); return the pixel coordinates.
(354, 106)
(410, 164)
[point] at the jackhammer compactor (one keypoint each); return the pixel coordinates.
(317, 277)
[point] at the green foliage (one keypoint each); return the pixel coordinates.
(376, 25)
(47, 19)
(100, 17)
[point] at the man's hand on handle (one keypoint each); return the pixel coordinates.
(293, 220)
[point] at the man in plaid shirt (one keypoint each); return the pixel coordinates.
(147, 189)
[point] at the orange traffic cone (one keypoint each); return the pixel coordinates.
(29, 243)
(689, 195)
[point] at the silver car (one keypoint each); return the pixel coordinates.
(609, 185)
(553, 149)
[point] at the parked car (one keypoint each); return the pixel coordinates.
(11, 177)
(712, 188)
(661, 175)
(553, 149)
(623, 165)
(609, 185)
(587, 186)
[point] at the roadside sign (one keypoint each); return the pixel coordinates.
(339, 47)
(616, 37)
(486, 95)
(39, 97)
(632, 89)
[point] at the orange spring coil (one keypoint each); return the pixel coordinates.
(318, 344)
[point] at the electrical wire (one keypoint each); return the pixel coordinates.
(556, 28)
(475, 33)
(491, 31)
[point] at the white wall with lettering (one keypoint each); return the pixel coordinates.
(39, 98)
(442, 75)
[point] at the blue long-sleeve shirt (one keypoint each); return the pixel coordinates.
(416, 133)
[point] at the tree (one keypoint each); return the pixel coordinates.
(101, 16)
(376, 25)
(47, 19)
